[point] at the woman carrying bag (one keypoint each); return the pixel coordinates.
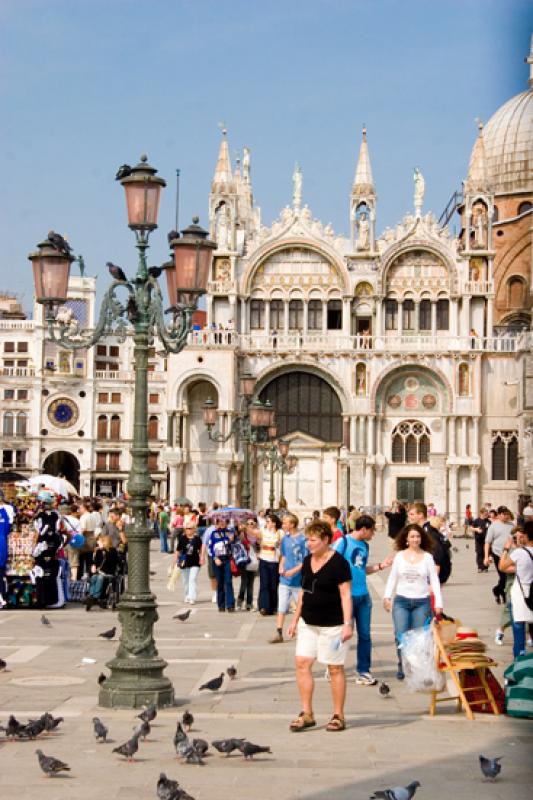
(247, 571)
(519, 559)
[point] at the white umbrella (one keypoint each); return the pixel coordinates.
(58, 485)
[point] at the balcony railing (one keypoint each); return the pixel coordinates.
(212, 338)
(17, 372)
(17, 324)
(126, 376)
(478, 287)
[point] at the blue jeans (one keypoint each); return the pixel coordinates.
(519, 639)
(409, 613)
(225, 596)
(361, 612)
(163, 540)
(268, 586)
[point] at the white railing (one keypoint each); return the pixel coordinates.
(17, 372)
(126, 376)
(212, 338)
(17, 324)
(478, 287)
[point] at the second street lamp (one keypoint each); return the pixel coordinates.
(136, 677)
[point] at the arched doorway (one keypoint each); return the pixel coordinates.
(63, 464)
(305, 402)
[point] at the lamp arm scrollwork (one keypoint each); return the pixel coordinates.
(173, 337)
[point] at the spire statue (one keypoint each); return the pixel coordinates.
(420, 187)
(297, 181)
(246, 164)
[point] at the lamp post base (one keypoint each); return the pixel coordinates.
(138, 684)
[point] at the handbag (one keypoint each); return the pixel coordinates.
(253, 563)
(172, 581)
(240, 556)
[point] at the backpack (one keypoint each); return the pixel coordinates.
(240, 556)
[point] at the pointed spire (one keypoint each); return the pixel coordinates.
(223, 167)
(477, 173)
(363, 182)
(529, 60)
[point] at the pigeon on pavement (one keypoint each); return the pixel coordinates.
(187, 719)
(123, 172)
(227, 746)
(31, 731)
(232, 672)
(167, 789)
(45, 620)
(116, 272)
(249, 750)
(110, 634)
(50, 723)
(214, 684)
(100, 730)
(183, 617)
(201, 746)
(13, 725)
(50, 765)
(490, 767)
(149, 713)
(129, 748)
(384, 689)
(179, 736)
(191, 756)
(397, 793)
(143, 729)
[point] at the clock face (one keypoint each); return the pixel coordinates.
(63, 412)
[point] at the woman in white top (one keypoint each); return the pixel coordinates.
(520, 561)
(413, 573)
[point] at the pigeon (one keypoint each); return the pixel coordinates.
(32, 730)
(3, 665)
(116, 272)
(455, 549)
(143, 729)
(184, 748)
(179, 736)
(100, 730)
(249, 750)
(50, 765)
(227, 746)
(201, 746)
(187, 719)
(171, 235)
(183, 617)
(384, 689)
(123, 172)
(155, 272)
(59, 242)
(131, 310)
(232, 673)
(102, 679)
(193, 757)
(214, 684)
(45, 620)
(129, 748)
(167, 789)
(397, 793)
(490, 767)
(50, 723)
(467, 546)
(110, 634)
(148, 714)
(13, 726)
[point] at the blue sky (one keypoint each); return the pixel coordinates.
(86, 85)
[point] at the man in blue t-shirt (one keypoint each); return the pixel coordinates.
(354, 548)
(292, 550)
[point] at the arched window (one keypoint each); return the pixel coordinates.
(464, 380)
(410, 443)
(306, 403)
(257, 315)
(515, 292)
(334, 315)
(391, 314)
(22, 424)
(153, 425)
(425, 315)
(314, 315)
(8, 426)
(296, 315)
(408, 323)
(525, 206)
(504, 456)
(276, 315)
(443, 314)
(101, 427)
(114, 432)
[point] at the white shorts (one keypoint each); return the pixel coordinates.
(284, 597)
(322, 643)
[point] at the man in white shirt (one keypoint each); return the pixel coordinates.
(497, 535)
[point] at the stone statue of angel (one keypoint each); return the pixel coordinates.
(297, 181)
(420, 187)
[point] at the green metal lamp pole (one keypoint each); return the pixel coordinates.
(277, 458)
(136, 677)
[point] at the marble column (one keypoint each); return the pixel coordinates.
(490, 309)
(369, 485)
(451, 436)
(324, 316)
(244, 327)
(171, 416)
(267, 318)
(346, 317)
(400, 317)
(353, 433)
(379, 317)
(370, 436)
(379, 485)
(464, 436)
(306, 317)
(285, 316)
(346, 432)
(465, 316)
(453, 493)
(474, 489)
(176, 475)
(209, 309)
(434, 318)
(223, 471)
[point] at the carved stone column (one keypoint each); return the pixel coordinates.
(453, 493)
(357, 480)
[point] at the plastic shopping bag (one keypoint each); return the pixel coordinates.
(174, 576)
(419, 664)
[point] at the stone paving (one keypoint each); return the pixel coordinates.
(389, 741)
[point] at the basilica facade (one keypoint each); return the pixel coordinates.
(399, 362)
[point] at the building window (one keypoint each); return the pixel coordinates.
(306, 403)
(22, 347)
(114, 461)
(101, 427)
(101, 350)
(153, 425)
(334, 315)
(116, 397)
(296, 315)
(443, 314)
(22, 394)
(408, 314)
(410, 443)
(101, 461)
(516, 292)
(152, 462)
(391, 315)
(20, 458)
(314, 315)
(464, 380)
(7, 458)
(525, 206)
(22, 424)
(8, 427)
(153, 398)
(114, 351)
(114, 430)
(425, 315)
(9, 394)
(504, 456)
(102, 397)
(257, 315)
(9, 347)
(276, 315)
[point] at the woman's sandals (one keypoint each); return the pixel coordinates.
(302, 721)
(336, 723)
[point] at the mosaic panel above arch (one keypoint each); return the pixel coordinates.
(417, 271)
(410, 392)
(296, 267)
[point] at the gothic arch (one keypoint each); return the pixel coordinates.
(435, 375)
(193, 376)
(404, 247)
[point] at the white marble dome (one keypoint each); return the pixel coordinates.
(508, 138)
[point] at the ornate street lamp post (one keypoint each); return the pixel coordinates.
(250, 426)
(276, 457)
(136, 675)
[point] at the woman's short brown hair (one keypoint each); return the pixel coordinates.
(106, 541)
(320, 528)
(426, 542)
